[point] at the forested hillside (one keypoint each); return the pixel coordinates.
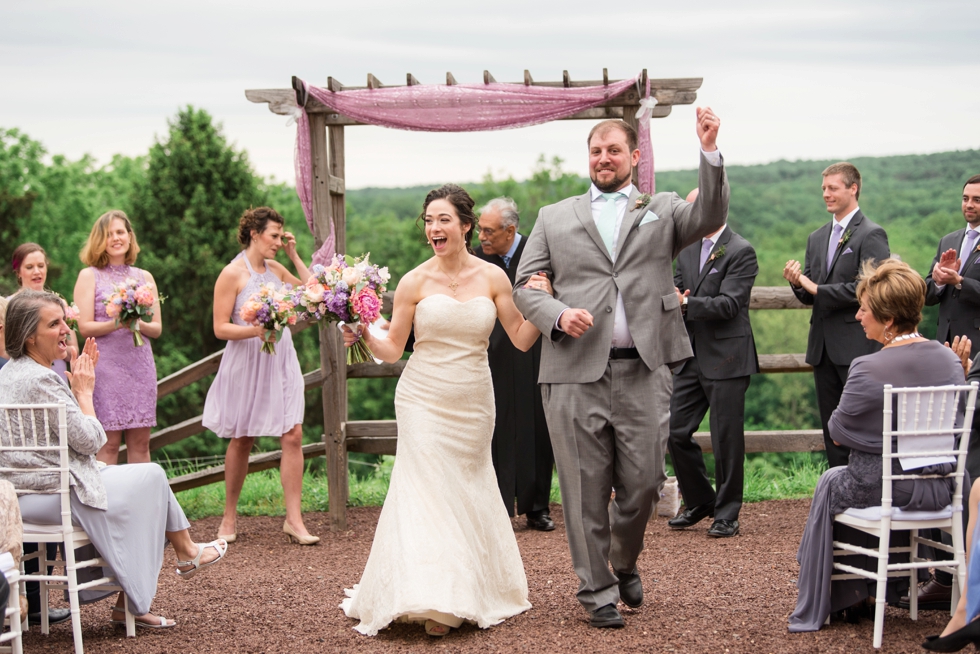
(186, 194)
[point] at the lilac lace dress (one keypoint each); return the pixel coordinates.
(125, 394)
(254, 393)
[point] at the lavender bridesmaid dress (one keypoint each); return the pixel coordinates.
(125, 394)
(254, 393)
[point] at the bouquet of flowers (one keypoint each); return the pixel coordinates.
(129, 303)
(348, 290)
(271, 308)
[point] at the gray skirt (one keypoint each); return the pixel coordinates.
(129, 535)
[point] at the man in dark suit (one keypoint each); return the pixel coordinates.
(834, 255)
(954, 278)
(714, 281)
(521, 446)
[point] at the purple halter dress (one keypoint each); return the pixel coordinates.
(125, 394)
(254, 393)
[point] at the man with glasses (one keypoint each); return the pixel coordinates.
(521, 446)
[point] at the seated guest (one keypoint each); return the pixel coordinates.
(891, 296)
(963, 628)
(128, 511)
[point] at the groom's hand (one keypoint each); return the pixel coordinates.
(575, 322)
(708, 124)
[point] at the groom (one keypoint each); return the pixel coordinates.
(614, 328)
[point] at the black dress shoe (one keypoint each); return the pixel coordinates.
(54, 617)
(723, 528)
(607, 616)
(540, 520)
(630, 589)
(692, 516)
(956, 640)
(933, 596)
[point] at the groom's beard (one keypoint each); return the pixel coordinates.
(614, 185)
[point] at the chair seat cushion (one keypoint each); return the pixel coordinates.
(873, 513)
(30, 528)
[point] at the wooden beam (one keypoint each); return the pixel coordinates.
(450, 80)
(488, 78)
(373, 82)
(527, 78)
(605, 77)
(302, 94)
(774, 297)
(170, 435)
(565, 79)
(381, 437)
(337, 186)
(410, 80)
(189, 374)
(334, 85)
(783, 363)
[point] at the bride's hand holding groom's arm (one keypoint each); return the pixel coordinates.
(522, 332)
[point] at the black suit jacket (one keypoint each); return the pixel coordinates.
(833, 322)
(717, 316)
(959, 309)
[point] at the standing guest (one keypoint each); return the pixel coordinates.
(714, 281)
(615, 329)
(30, 264)
(834, 254)
(128, 512)
(254, 393)
(126, 391)
(891, 297)
(954, 279)
(521, 447)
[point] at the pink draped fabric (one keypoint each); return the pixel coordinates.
(456, 108)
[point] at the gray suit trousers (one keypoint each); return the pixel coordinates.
(610, 434)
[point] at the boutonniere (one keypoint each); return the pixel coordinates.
(717, 254)
(977, 249)
(844, 239)
(642, 201)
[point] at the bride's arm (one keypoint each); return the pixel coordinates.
(390, 348)
(522, 332)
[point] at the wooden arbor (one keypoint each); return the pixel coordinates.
(329, 190)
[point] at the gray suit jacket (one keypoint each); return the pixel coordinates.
(959, 309)
(718, 307)
(566, 244)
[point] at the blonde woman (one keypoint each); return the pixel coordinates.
(126, 391)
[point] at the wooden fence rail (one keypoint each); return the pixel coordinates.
(381, 437)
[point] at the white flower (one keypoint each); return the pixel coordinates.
(384, 274)
(351, 276)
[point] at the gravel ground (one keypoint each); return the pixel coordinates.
(702, 595)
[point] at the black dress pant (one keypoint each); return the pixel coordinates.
(693, 395)
(829, 378)
(33, 588)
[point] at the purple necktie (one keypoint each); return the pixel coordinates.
(968, 242)
(832, 246)
(705, 252)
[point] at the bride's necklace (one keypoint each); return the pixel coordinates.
(904, 337)
(453, 284)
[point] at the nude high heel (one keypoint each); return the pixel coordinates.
(302, 540)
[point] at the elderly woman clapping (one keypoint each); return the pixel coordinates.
(129, 511)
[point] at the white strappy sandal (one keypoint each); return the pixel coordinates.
(220, 545)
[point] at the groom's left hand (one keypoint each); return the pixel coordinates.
(708, 124)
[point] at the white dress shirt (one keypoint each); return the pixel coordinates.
(621, 331)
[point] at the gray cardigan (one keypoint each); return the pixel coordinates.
(25, 381)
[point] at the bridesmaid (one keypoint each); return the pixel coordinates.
(126, 377)
(254, 393)
(30, 264)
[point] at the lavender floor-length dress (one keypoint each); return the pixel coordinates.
(254, 393)
(125, 394)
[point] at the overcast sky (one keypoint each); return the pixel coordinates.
(790, 80)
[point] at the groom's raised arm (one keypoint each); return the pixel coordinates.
(540, 308)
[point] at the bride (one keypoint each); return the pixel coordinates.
(444, 551)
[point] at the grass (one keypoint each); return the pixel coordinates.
(794, 477)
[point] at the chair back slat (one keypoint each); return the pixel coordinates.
(29, 428)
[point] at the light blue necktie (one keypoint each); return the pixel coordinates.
(968, 242)
(607, 221)
(506, 260)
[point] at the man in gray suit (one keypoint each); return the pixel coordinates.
(954, 278)
(834, 255)
(612, 330)
(714, 281)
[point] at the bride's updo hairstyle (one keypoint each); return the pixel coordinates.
(463, 204)
(892, 291)
(257, 219)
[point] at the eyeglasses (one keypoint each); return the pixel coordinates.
(486, 231)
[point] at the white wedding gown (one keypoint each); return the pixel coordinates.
(444, 548)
